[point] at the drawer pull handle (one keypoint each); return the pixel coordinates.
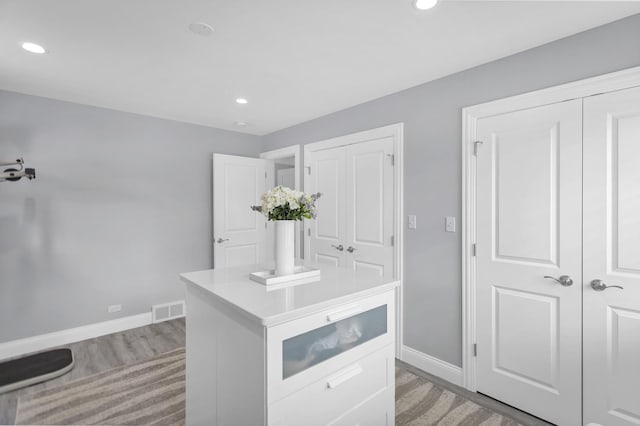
(344, 376)
(345, 313)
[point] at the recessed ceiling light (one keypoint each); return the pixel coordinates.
(201, 29)
(241, 123)
(424, 4)
(242, 101)
(33, 48)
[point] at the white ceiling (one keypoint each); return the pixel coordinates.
(294, 60)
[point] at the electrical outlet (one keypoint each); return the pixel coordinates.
(114, 308)
(450, 224)
(412, 221)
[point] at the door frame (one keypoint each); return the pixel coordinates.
(395, 131)
(286, 152)
(619, 80)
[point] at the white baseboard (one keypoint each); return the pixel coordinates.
(64, 337)
(432, 365)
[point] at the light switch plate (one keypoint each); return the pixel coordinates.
(413, 224)
(450, 224)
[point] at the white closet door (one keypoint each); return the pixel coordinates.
(239, 232)
(329, 228)
(612, 255)
(369, 207)
(529, 185)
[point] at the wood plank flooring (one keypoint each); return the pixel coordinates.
(106, 352)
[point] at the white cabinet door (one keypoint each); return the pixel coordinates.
(329, 228)
(529, 186)
(369, 207)
(612, 254)
(239, 233)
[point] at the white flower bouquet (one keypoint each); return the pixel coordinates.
(282, 203)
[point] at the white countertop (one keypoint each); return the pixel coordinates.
(270, 307)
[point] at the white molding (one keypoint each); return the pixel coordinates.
(29, 345)
(350, 139)
(395, 131)
(432, 365)
(469, 123)
(286, 152)
(611, 82)
(399, 231)
(579, 89)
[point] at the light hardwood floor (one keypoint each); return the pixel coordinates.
(106, 352)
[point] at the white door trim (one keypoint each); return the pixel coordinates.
(396, 131)
(286, 152)
(580, 89)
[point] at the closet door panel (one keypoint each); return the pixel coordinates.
(529, 175)
(369, 207)
(329, 228)
(612, 255)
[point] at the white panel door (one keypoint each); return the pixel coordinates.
(328, 229)
(529, 185)
(354, 227)
(612, 255)
(369, 206)
(239, 232)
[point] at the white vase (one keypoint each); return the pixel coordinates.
(285, 253)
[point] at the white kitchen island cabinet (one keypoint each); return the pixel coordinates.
(313, 354)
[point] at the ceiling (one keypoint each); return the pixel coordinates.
(293, 60)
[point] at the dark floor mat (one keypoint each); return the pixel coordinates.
(36, 368)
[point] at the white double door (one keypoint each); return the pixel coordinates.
(558, 202)
(355, 222)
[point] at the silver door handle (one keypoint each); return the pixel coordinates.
(221, 240)
(599, 285)
(339, 248)
(351, 249)
(563, 280)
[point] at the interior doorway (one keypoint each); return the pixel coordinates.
(286, 172)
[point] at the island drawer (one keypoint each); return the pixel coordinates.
(342, 395)
(305, 350)
(377, 411)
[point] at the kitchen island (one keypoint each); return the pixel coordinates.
(312, 354)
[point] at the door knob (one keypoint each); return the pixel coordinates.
(351, 249)
(563, 280)
(339, 248)
(221, 240)
(599, 285)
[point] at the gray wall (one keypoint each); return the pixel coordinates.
(121, 205)
(432, 116)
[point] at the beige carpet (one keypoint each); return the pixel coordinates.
(152, 393)
(421, 403)
(147, 393)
